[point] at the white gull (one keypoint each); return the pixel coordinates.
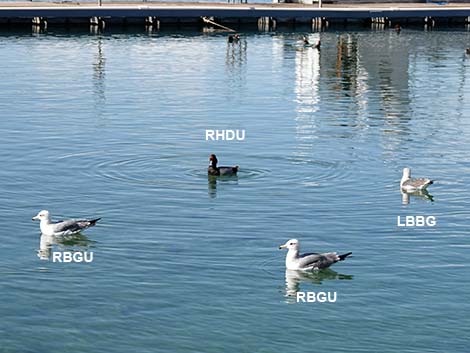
(68, 227)
(409, 184)
(310, 261)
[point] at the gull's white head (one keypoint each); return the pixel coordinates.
(42, 216)
(292, 244)
(406, 173)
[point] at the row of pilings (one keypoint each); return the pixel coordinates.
(263, 23)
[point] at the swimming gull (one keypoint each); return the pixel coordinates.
(310, 261)
(409, 184)
(68, 227)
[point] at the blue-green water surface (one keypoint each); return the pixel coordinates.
(113, 126)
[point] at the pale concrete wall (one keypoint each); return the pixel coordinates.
(387, 1)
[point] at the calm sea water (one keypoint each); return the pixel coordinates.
(113, 126)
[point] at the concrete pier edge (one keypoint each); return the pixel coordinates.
(148, 13)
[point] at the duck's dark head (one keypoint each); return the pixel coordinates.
(213, 160)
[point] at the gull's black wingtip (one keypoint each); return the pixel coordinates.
(342, 257)
(93, 221)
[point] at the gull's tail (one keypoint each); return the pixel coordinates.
(342, 257)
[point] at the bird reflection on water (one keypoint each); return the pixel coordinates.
(212, 181)
(295, 277)
(75, 242)
(421, 194)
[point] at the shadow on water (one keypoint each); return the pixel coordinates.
(76, 242)
(294, 279)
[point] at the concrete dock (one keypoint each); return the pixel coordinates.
(38, 13)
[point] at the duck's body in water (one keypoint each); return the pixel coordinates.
(217, 171)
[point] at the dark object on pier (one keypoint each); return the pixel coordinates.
(233, 38)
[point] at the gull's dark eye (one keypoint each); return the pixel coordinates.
(291, 244)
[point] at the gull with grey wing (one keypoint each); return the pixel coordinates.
(310, 261)
(68, 227)
(409, 184)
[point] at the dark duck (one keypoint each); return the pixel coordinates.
(217, 171)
